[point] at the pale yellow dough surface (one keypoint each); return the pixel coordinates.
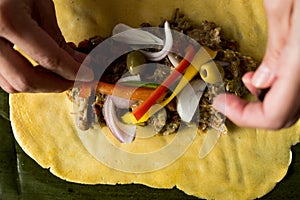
(245, 164)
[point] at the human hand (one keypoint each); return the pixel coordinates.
(31, 25)
(279, 71)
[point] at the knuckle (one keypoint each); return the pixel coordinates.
(51, 61)
(60, 65)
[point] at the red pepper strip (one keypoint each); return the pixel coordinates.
(158, 92)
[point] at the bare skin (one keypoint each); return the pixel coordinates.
(31, 26)
(279, 71)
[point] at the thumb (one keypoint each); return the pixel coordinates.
(279, 16)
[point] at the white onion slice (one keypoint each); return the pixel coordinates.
(173, 60)
(129, 35)
(122, 102)
(188, 99)
(124, 33)
(125, 133)
(156, 56)
(209, 142)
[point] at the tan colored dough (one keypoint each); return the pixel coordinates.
(245, 164)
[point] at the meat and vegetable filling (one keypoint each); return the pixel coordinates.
(228, 62)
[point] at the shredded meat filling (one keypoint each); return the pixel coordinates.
(206, 34)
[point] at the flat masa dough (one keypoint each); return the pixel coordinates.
(245, 164)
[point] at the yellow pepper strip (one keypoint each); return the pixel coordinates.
(202, 56)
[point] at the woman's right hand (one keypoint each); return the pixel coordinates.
(279, 71)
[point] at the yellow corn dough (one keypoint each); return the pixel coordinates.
(245, 164)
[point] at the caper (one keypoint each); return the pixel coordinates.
(212, 72)
(134, 60)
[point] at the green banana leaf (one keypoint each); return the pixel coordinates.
(4, 109)
(22, 178)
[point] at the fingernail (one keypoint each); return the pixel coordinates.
(248, 83)
(219, 103)
(262, 77)
(246, 79)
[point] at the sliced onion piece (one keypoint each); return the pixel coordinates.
(129, 35)
(173, 60)
(123, 132)
(188, 99)
(122, 102)
(223, 63)
(156, 56)
(209, 142)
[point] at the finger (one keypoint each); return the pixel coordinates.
(78, 56)
(281, 105)
(247, 82)
(21, 76)
(249, 114)
(6, 86)
(279, 23)
(239, 111)
(279, 15)
(36, 43)
(257, 92)
(47, 81)
(295, 25)
(282, 102)
(288, 85)
(263, 77)
(280, 108)
(48, 22)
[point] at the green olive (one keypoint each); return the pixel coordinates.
(212, 72)
(134, 60)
